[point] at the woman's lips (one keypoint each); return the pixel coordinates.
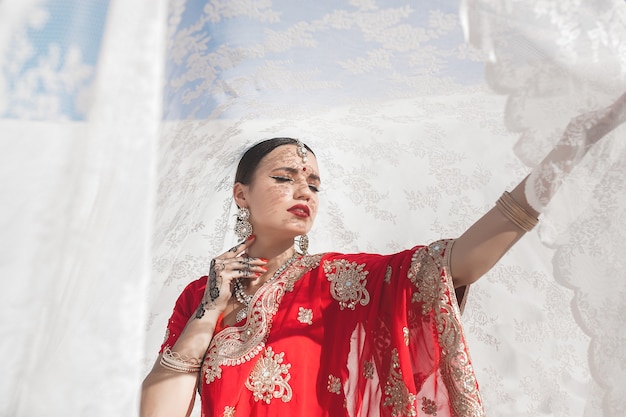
(300, 210)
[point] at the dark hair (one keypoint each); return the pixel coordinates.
(253, 156)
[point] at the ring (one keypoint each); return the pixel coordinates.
(233, 249)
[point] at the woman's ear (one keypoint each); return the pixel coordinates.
(240, 191)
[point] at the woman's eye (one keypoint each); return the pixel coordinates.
(282, 179)
(314, 188)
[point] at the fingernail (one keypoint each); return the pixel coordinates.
(257, 274)
(264, 260)
(251, 237)
(263, 268)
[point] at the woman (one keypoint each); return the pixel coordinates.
(274, 331)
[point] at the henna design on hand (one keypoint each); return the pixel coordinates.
(215, 281)
(201, 310)
(214, 286)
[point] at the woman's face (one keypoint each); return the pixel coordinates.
(282, 197)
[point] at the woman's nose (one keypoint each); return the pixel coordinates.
(302, 190)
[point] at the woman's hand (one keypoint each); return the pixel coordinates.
(226, 268)
(579, 136)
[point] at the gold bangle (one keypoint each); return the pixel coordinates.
(176, 362)
(517, 214)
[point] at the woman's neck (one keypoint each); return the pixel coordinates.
(277, 254)
(271, 250)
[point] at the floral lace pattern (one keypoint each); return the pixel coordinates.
(562, 67)
(432, 127)
(427, 123)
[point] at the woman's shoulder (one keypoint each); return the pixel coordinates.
(365, 257)
(194, 289)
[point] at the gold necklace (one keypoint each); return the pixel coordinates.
(245, 299)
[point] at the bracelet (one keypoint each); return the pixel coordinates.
(513, 211)
(176, 362)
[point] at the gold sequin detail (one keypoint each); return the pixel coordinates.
(425, 275)
(347, 283)
(401, 401)
(305, 315)
(388, 275)
(429, 406)
(229, 411)
(405, 332)
(368, 369)
(334, 384)
(270, 378)
(167, 335)
(211, 365)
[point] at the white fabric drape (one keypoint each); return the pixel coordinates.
(416, 132)
(554, 61)
(78, 197)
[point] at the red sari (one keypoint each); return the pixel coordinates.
(342, 335)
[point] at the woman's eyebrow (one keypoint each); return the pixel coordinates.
(288, 169)
(315, 177)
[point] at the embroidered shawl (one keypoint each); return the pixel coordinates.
(342, 335)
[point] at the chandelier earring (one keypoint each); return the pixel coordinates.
(303, 244)
(243, 228)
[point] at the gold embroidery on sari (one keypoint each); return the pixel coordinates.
(238, 344)
(424, 274)
(405, 332)
(434, 290)
(211, 365)
(229, 411)
(305, 315)
(270, 378)
(429, 406)
(347, 283)
(388, 274)
(368, 369)
(334, 384)
(401, 401)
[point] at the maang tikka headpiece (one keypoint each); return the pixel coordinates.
(302, 151)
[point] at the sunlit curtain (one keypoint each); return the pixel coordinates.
(116, 199)
(80, 86)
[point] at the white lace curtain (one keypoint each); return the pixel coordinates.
(80, 86)
(115, 199)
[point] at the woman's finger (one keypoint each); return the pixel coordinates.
(241, 263)
(219, 265)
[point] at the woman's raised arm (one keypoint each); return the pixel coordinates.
(487, 240)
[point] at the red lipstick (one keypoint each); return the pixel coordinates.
(300, 210)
